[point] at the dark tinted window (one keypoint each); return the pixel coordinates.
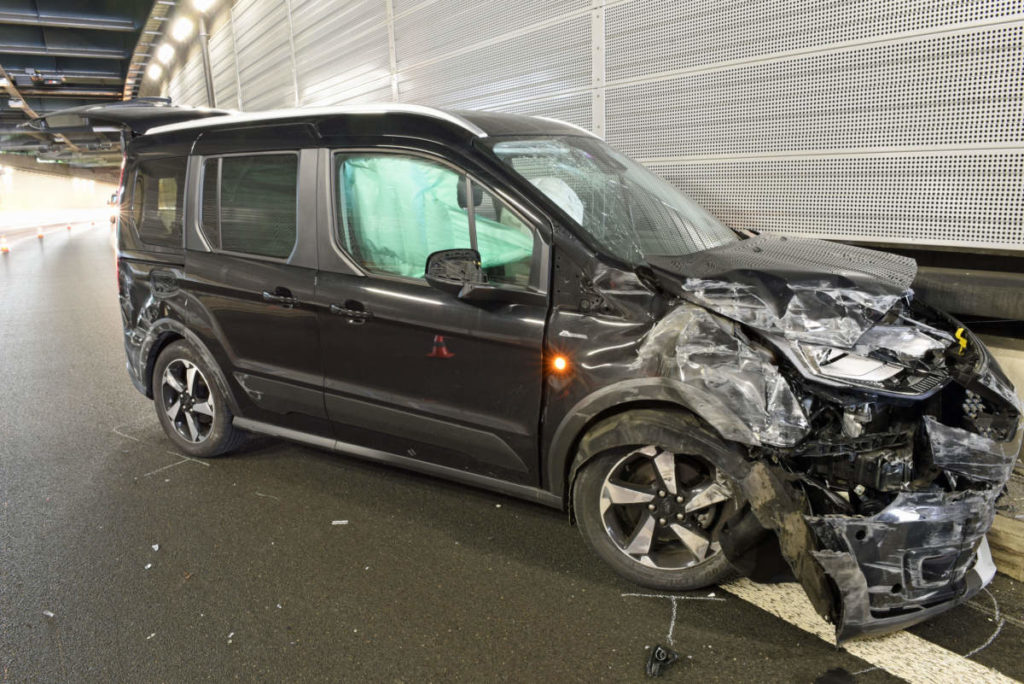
(257, 204)
(211, 202)
(157, 204)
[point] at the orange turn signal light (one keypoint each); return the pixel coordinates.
(559, 364)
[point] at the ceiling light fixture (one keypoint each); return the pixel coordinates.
(154, 71)
(165, 53)
(181, 29)
(202, 5)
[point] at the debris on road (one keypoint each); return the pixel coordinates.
(151, 636)
(836, 676)
(339, 522)
(48, 613)
(660, 660)
(148, 566)
(156, 547)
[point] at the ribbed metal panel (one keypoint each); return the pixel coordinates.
(341, 52)
(544, 62)
(175, 85)
(264, 54)
(193, 87)
(222, 60)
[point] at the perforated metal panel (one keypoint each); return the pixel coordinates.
(576, 109)
(881, 120)
(545, 62)
(891, 95)
(963, 198)
(436, 29)
(649, 37)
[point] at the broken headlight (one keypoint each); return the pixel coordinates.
(845, 368)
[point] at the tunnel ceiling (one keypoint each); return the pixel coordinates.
(59, 54)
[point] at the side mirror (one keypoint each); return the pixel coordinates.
(458, 272)
(452, 270)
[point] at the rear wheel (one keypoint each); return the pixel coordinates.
(190, 406)
(654, 515)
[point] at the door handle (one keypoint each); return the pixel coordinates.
(352, 310)
(282, 296)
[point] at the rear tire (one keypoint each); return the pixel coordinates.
(189, 404)
(654, 515)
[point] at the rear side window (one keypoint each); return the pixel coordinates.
(157, 201)
(249, 204)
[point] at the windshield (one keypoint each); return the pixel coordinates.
(625, 209)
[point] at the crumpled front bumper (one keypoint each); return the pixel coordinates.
(922, 554)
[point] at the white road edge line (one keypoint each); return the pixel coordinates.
(902, 654)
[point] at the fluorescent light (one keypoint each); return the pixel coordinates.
(165, 53)
(202, 5)
(154, 71)
(181, 29)
(16, 104)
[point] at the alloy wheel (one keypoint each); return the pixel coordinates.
(187, 400)
(664, 510)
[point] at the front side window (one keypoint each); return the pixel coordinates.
(157, 201)
(394, 211)
(249, 204)
(623, 208)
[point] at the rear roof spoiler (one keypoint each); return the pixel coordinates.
(134, 116)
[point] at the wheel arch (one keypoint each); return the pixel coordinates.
(167, 331)
(630, 396)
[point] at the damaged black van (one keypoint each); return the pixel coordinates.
(508, 302)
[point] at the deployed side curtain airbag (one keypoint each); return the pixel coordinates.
(399, 210)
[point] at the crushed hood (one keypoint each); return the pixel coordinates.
(805, 290)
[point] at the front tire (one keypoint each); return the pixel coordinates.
(653, 514)
(189, 404)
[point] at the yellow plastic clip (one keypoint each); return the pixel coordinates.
(961, 339)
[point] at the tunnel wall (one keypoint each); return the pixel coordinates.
(881, 120)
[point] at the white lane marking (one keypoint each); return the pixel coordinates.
(902, 654)
(675, 601)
